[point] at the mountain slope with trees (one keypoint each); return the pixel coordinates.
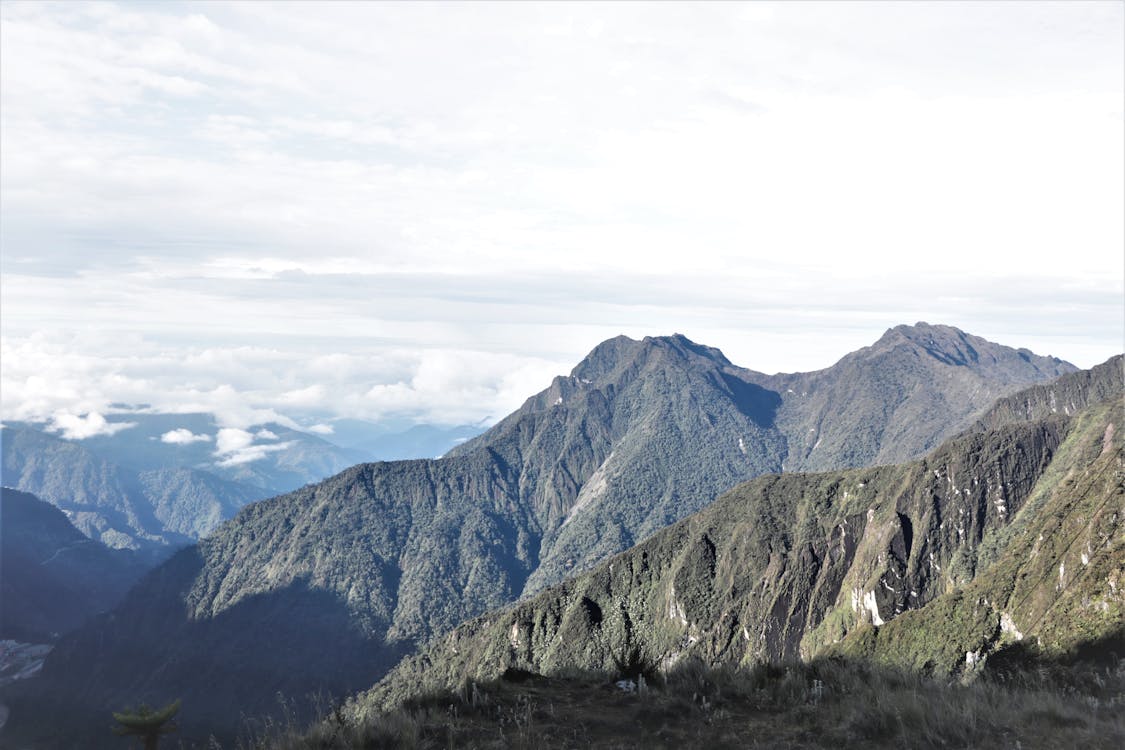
(1002, 537)
(329, 586)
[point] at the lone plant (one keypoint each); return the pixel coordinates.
(147, 724)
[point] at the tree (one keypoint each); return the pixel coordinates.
(147, 724)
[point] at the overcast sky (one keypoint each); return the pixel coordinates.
(426, 211)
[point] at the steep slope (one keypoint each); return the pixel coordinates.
(892, 401)
(1009, 533)
(322, 589)
(192, 503)
(1050, 581)
(1068, 395)
(52, 577)
(383, 556)
(639, 435)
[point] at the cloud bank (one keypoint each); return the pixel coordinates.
(292, 213)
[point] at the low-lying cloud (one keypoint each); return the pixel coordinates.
(183, 436)
(234, 446)
(78, 427)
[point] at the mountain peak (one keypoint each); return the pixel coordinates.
(952, 346)
(622, 352)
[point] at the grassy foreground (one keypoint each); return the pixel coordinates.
(825, 704)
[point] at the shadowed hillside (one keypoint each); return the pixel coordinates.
(52, 577)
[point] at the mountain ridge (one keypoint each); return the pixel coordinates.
(932, 566)
(385, 555)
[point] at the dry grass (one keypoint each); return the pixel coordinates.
(826, 704)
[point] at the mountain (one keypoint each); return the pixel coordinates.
(142, 510)
(685, 425)
(393, 442)
(900, 397)
(1004, 536)
(383, 556)
(53, 577)
(269, 456)
(165, 481)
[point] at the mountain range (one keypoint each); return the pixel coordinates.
(166, 480)
(330, 586)
(1009, 534)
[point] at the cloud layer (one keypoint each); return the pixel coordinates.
(292, 212)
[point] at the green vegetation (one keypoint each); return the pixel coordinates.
(1052, 574)
(881, 564)
(154, 510)
(147, 724)
(327, 588)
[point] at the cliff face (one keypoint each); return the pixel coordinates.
(1066, 396)
(1052, 580)
(1009, 533)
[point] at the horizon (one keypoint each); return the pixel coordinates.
(420, 213)
(114, 418)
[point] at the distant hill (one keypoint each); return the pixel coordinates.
(383, 556)
(120, 507)
(391, 442)
(53, 577)
(160, 482)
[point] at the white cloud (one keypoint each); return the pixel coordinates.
(77, 427)
(321, 429)
(183, 436)
(231, 440)
(290, 213)
(234, 446)
(311, 396)
(251, 453)
(265, 435)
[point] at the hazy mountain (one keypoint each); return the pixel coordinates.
(383, 556)
(163, 480)
(119, 507)
(283, 458)
(1003, 536)
(53, 577)
(391, 441)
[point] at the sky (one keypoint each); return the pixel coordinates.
(423, 212)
